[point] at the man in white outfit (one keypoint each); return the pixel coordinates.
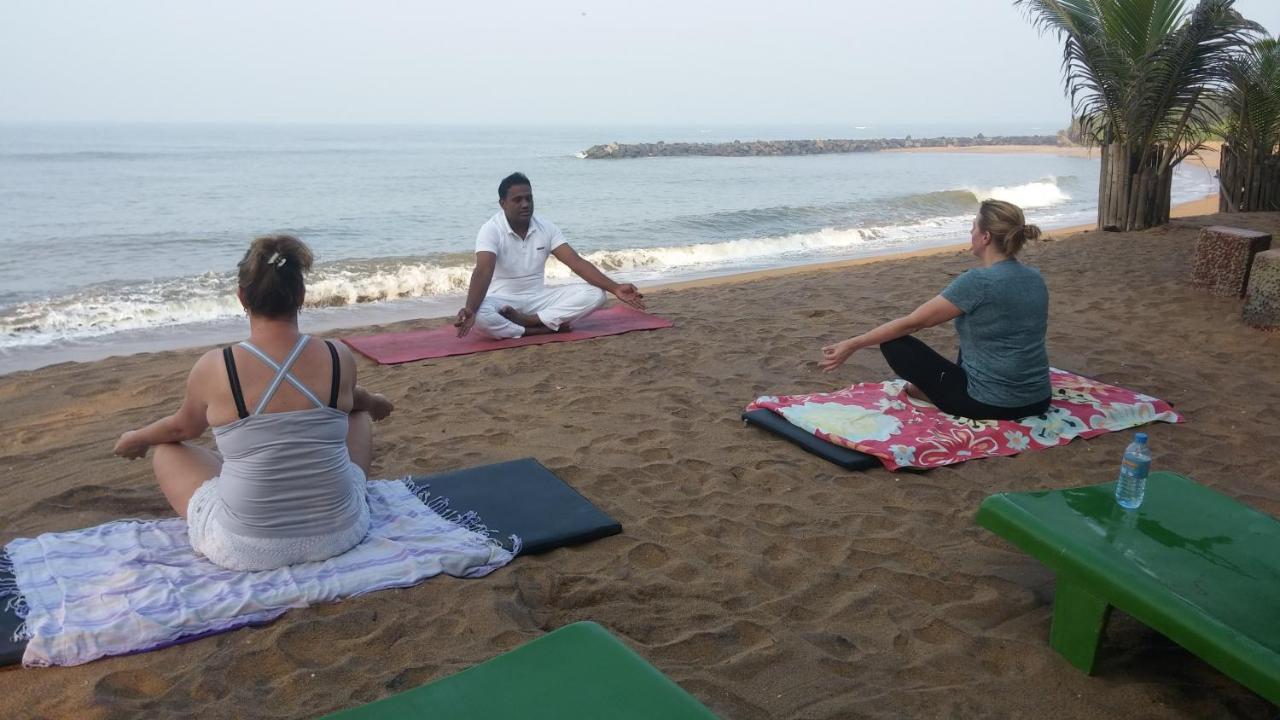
(507, 297)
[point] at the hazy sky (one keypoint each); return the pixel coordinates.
(548, 61)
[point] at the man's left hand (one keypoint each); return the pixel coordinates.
(630, 294)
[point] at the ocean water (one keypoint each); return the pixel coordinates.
(120, 238)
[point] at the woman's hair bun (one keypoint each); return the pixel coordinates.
(271, 275)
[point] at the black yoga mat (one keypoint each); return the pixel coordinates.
(10, 649)
(842, 456)
(522, 498)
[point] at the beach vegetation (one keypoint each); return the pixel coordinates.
(1141, 76)
(1250, 173)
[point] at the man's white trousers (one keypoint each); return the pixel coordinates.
(554, 306)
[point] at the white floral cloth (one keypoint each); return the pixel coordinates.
(880, 419)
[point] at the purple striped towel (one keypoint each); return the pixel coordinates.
(135, 585)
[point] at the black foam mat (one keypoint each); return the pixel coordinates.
(522, 498)
(842, 456)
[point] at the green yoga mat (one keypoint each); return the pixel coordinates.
(578, 671)
(1190, 563)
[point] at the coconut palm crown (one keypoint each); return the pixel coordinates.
(1250, 177)
(1140, 74)
(1253, 97)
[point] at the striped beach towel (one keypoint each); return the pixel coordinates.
(136, 585)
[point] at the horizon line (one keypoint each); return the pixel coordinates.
(859, 124)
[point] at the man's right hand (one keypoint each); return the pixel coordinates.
(629, 294)
(464, 321)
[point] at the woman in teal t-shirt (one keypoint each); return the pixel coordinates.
(1001, 311)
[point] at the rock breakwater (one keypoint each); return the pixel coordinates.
(764, 148)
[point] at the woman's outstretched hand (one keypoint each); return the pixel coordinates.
(834, 355)
(129, 447)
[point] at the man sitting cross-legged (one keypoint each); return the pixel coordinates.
(507, 297)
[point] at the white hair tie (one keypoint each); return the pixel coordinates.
(277, 260)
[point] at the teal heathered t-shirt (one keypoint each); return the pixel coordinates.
(1006, 313)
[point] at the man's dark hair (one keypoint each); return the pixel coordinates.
(515, 178)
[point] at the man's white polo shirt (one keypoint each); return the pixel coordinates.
(521, 262)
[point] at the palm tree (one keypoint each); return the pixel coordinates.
(1251, 156)
(1139, 74)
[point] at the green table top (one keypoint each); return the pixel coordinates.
(1190, 562)
(577, 671)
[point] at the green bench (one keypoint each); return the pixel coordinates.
(1191, 563)
(578, 671)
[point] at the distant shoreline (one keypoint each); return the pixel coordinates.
(774, 148)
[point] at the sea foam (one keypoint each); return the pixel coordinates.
(1038, 194)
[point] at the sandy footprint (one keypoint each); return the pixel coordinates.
(131, 685)
(319, 643)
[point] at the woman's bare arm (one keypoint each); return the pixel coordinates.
(934, 312)
(187, 423)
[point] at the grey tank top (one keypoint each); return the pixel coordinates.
(286, 474)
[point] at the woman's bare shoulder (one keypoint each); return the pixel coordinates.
(209, 368)
(344, 352)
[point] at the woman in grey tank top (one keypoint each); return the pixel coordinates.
(293, 430)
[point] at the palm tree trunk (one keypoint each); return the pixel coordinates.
(1249, 179)
(1140, 197)
(1226, 177)
(1114, 182)
(1166, 198)
(1104, 189)
(1271, 199)
(1133, 194)
(1252, 191)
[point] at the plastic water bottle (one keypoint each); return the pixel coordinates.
(1132, 484)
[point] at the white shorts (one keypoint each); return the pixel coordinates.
(238, 552)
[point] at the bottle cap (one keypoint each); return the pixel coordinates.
(1140, 437)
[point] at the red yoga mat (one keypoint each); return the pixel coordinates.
(402, 347)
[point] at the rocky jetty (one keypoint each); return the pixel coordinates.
(759, 148)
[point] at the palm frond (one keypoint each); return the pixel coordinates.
(1189, 65)
(1252, 97)
(1143, 71)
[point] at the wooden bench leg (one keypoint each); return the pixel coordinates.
(1079, 618)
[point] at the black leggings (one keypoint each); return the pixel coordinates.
(945, 383)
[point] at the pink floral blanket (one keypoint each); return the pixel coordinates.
(880, 419)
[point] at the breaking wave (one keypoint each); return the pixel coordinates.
(761, 237)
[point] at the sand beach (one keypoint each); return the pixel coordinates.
(764, 581)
